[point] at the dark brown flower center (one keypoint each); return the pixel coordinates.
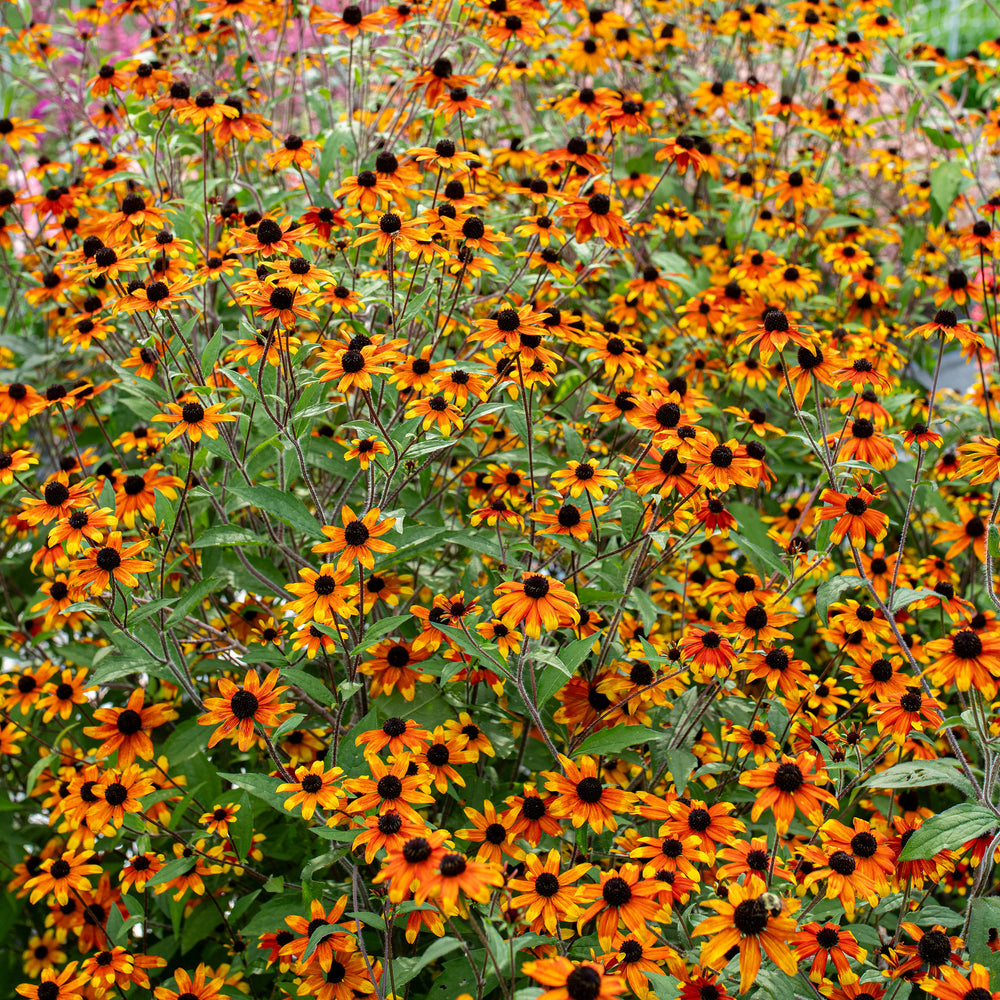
(244, 704)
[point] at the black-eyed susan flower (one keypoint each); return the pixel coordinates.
(393, 667)
(597, 216)
(491, 831)
(111, 560)
(548, 896)
(357, 540)
(751, 920)
(126, 730)
(399, 735)
(414, 861)
(294, 151)
(238, 709)
(956, 984)
(315, 787)
(788, 784)
(201, 985)
(63, 875)
(854, 515)
(322, 595)
(436, 410)
(139, 869)
(622, 897)
(582, 476)
(59, 499)
(566, 980)
(538, 601)
(192, 418)
(583, 797)
(69, 983)
(118, 793)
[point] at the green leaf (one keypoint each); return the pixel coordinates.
(941, 139)
(322, 862)
(36, 770)
(928, 914)
(380, 628)
(947, 182)
(985, 917)
(171, 870)
(148, 610)
(211, 353)
(665, 987)
(612, 741)
(405, 969)
(197, 927)
(118, 927)
(310, 685)
(574, 653)
(318, 935)
(549, 678)
(680, 764)
(950, 829)
(841, 222)
(242, 829)
(227, 534)
(766, 562)
(261, 785)
(193, 597)
(905, 596)
(831, 590)
(286, 507)
(776, 983)
(113, 668)
(920, 773)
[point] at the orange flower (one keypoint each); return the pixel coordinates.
(193, 419)
(118, 793)
(568, 980)
(438, 410)
(314, 787)
(547, 894)
(853, 514)
(126, 729)
(956, 984)
(911, 711)
(64, 985)
(98, 566)
(788, 784)
(456, 873)
(240, 709)
(199, 986)
(270, 237)
(322, 596)
(596, 215)
(58, 500)
(750, 920)
(62, 875)
(538, 601)
(293, 152)
(582, 795)
(772, 334)
(491, 831)
(357, 539)
(413, 863)
(393, 232)
(390, 787)
(621, 897)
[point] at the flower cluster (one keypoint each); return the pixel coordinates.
(498, 496)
